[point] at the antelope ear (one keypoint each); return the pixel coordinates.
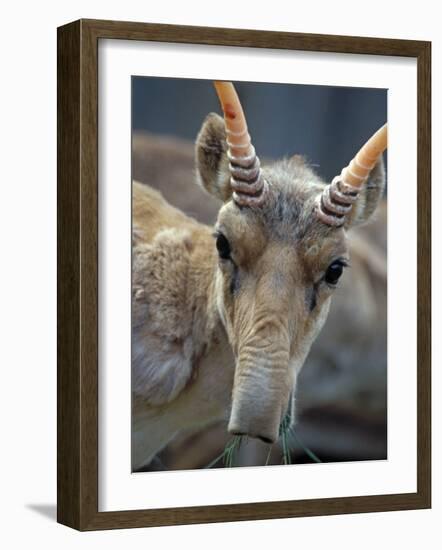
(212, 164)
(369, 196)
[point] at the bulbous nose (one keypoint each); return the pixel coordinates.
(257, 413)
(262, 382)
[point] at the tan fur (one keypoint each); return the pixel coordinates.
(216, 338)
(176, 333)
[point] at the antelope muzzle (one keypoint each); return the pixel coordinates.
(261, 386)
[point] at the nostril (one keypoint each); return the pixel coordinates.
(265, 439)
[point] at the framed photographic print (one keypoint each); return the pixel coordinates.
(234, 341)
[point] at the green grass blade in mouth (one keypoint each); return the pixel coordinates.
(287, 437)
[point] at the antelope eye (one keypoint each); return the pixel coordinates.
(334, 271)
(223, 247)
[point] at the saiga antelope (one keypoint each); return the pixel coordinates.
(223, 318)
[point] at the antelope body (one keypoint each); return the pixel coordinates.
(223, 321)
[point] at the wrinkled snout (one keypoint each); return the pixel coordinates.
(260, 396)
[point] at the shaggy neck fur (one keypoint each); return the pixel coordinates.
(182, 365)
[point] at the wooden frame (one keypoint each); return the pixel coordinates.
(77, 460)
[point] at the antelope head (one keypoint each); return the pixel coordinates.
(282, 248)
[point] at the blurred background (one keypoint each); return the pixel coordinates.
(341, 396)
(323, 123)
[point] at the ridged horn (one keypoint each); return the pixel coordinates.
(336, 201)
(247, 182)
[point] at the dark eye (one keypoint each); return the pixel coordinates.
(334, 271)
(223, 247)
